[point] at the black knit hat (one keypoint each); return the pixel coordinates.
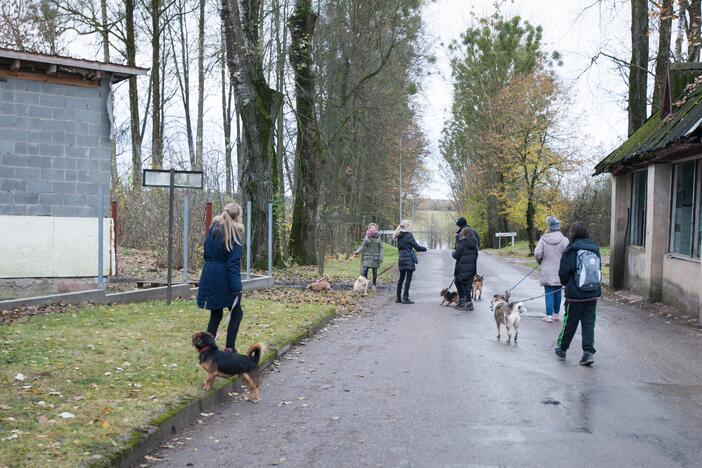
(461, 222)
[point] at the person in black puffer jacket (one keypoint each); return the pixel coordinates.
(405, 262)
(466, 255)
(581, 302)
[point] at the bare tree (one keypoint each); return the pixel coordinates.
(258, 106)
(638, 67)
(663, 55)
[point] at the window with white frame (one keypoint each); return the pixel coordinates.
(637, 226)
(686, 209)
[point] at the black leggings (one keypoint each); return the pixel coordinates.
(406, 277)
(375, 273)
(234, 322)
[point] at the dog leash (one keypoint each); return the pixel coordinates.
(388, 268)
(525, 277)
(538, 297)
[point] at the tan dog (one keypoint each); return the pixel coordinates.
(322, 284)
(361, 285)
(477, 289)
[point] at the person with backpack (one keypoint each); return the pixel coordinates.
(466, 255)
(580, 273)
(407, 259)
(548, 254)
(371, 251)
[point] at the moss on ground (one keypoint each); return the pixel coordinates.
(115, 369)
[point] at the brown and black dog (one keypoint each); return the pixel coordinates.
(448, 297)
(477, 288)
(223, 364)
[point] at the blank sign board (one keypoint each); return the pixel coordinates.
(181, 179)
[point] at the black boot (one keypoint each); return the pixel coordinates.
(468, 306)
(398, 299)
(407, 300)
(461, 303)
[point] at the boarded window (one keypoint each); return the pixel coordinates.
(637, 231)
(684, 210)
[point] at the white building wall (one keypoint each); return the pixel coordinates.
(53, 247)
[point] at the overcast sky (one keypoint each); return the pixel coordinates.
(597, 91)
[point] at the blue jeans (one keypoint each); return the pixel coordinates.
(553, 299)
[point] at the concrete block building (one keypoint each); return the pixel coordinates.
(55, 154)
(656, 230)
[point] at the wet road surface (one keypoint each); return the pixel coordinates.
(427, 385)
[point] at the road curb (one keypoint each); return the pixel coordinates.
(162, 428)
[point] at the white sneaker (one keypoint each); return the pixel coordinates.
(547, 319)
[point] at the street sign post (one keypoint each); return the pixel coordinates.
(500, 235)
(172, 179)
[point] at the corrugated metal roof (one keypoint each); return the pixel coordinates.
(657, 134)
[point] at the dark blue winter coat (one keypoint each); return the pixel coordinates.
(220, 281)
(568, 267)
(405, 245)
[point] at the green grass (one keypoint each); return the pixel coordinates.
(116, 369)
(341, 268)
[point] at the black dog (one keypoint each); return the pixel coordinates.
(216, 362)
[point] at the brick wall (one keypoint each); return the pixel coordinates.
(54, 148)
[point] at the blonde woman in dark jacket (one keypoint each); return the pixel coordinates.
(406, 245)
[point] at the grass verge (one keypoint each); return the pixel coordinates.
(341, 268)
(91, 376)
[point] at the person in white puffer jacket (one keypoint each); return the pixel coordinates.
(548, 254)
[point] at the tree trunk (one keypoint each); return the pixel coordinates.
(694, 45)
(183, 78)
(156, 153)
(134, 120)
(680, 33)
(200, 86)
(309, 157)
(226, 117)
(663, 55)
(258, 105)
(638, 68)
(279, 213)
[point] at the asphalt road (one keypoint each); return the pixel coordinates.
(426, 385)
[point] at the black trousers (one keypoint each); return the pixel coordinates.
(406, 277)
(464, 287)
(234, 322)
(582, 313)
(375, 273)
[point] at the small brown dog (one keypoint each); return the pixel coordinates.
(477, 289)
(448, 297)
(322, 284)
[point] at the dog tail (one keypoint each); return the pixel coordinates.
(256, 351)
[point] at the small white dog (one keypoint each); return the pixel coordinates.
(361, 285)
(516, 309)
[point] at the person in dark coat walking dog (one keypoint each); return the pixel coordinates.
(463, 224)
(406, 245)
(220, 281)
(580, 273)
(466, 255)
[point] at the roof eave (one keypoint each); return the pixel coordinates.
(120, 71)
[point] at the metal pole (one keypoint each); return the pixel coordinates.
(186, 228)
(169, 292)
(270, 239)
(400, 180)
(114, 228)
(101, 235)
(412, 212)
(248, 239)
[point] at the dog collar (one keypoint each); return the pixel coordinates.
(204, 350)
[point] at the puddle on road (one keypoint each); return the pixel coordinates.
(550, 401)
